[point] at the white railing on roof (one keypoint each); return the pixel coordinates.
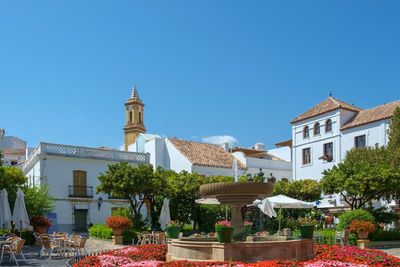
(87, 153)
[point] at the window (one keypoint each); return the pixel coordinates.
(328, 149)
(359, 141)
(317, 129)
(79, 183)
(130, 115)
(306, 156)
(140, 117)
(328, 126)
(306, 133)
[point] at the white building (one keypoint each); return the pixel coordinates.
(323, 134)
(209, 159)
(13, 150)
(71, 173)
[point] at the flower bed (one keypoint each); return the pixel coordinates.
(325, 255)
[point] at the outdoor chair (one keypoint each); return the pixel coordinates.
(147, 238)
(342, 237)
(37, 239)
(81, 245)
(140, 239)
(161, 238)
(73, 244)
(48, 245)
(14, 249)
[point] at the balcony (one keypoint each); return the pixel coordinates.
(80, 191)
(81, 152)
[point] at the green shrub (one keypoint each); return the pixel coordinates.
(100, 231)
(128, 235)
(28, 236)
(328, 237)
(187, 229)
(346, 218)
(382, 235)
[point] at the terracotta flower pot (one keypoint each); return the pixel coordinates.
(41, 229)
(363, 235)
(117, 231)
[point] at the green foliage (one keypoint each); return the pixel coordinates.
(346, 218)
(11, 179)
(103, 232)
(122, 212)
(100, 231)
(381, 215)
(38, 201)
(133, 183)
(209, 215)
(328, 237)
(128, 235)
(381, 235)
(187, 229)
(306, 190)
(365, 175)
(394, 131)
(28, 237)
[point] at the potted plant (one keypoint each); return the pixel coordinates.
(307, 226)
(362, 228)
(118, 224)
(248, 227)
(173, 228)
(224, 231)
(40, 224)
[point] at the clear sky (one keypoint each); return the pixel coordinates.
(202, 68)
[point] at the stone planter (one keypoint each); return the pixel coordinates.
(224, 234)
(307, 230)
(363, 235)
(117, 231)
(41, 229)
(173, 231)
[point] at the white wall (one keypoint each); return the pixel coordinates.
(315, 143)
(57, 172)
(284, 153)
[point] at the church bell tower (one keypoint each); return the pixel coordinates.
(134, 118)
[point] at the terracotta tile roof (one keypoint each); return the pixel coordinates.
(372, 115)
(328, 105)
(254, 153)
(203, 154)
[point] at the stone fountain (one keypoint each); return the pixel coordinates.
(236, 195)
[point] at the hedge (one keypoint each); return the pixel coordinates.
(346, 218)
(102, 231)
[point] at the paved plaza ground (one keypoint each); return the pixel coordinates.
(31, 255)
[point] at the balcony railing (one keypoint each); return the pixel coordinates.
(81, 191)
(86, 153)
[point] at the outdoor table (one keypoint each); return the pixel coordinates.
(63, 241)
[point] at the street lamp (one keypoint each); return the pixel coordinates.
(99, 202)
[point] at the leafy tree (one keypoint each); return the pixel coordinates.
(365, 175)
(38, 201)
(133, 183)
(394, 131)
(307, 190)
(11, 179)
(346, 218)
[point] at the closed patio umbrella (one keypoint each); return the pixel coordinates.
(5, 211)
(165, 215)
(20, 215)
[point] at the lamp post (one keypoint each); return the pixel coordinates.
(99, 202)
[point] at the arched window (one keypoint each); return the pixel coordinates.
(140, 117)
(328, 126)
(306, 132)
(317, 129)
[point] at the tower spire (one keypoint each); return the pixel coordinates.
(134, 94)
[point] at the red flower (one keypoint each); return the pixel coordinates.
(117, 222)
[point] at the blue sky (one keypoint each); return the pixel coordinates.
(202, 68)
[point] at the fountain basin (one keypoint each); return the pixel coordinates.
(247, 252)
